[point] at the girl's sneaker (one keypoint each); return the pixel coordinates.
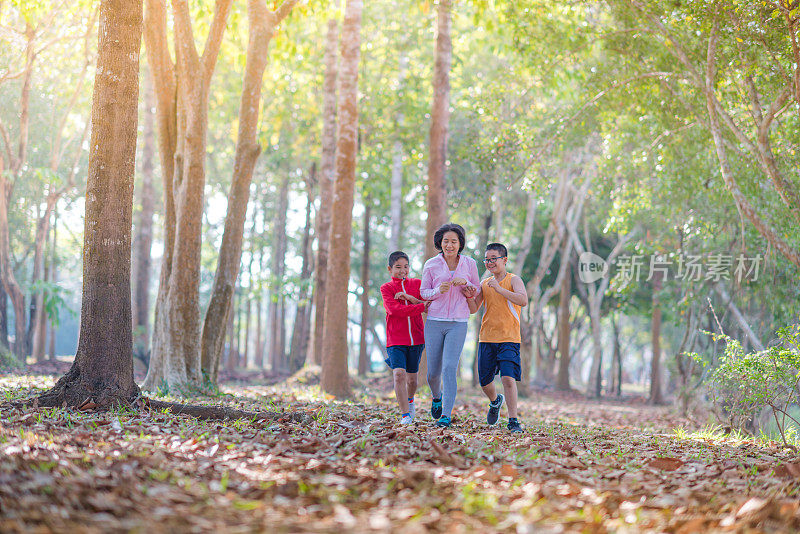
(412, 409)
(436, 408)
(443, 422)
(406, 420)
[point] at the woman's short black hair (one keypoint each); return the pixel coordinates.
(438, 235)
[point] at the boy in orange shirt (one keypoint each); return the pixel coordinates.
(504, 295)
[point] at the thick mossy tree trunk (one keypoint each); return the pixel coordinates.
(102, 372)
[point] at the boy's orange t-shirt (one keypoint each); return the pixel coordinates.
(500, 323)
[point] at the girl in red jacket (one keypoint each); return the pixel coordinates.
(405, 333)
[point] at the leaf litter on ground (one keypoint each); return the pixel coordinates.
(579, 466)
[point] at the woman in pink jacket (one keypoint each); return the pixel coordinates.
(445, 277)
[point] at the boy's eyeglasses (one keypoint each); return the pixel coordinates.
(492, 261)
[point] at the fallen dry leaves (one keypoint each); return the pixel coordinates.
(580, 466)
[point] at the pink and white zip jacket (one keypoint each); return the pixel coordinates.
(450, 306)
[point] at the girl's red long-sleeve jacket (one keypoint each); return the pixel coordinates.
(403, 319)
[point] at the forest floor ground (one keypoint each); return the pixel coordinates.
(329, 466)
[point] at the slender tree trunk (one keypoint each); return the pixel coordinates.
(12, 288)
(328, 175)
(302, 323)
(335, 378)
(54, 281)
(656, 396)
(40, 329)
(144, 229)
(3, 317)
(562, 379)
(277, 351)
(615, 384)
(262, 27)
(258, 356)
(396, 202)
(363, 353)
(440, 118)
(102, 371)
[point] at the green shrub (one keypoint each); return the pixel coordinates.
(8, 362)
(744, 384)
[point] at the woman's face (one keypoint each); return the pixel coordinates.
(450, 244)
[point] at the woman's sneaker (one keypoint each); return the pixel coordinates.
(436, 408)
(513, 425)
(443, 422)
(412, 409)
(406, 420)
(494, 409)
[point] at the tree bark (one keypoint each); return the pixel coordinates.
(3, 317)
(144, 229)
(396, 200)
(102, 372)
(9, 280)
(176, 343)
(562, 379)
(277, 345)
(302, 323)
(262, 25)
(656, 396)
(440, 118)
(327, 178)
(335, 379)
(615, 384)
(54, 281)
(363, 353)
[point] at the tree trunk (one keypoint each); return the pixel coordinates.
(262, 25)
(9, 281)
(54, 281)
(40, 328)
(656, 396)
(396, 202)
(615, 384)
(3, 317)
(144, 230)
(440, 118)
(328, 175)
(302, 322)
(335, 379)
(363, 353)
(176, 343)
(562, 379)
(102, 372)
(277, 347)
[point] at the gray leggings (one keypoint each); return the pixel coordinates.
(443, 343)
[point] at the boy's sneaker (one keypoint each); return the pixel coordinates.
(514, 426)
(406, 420)
(443, 422)
(412, 409)
(494, 409)
(436, 408)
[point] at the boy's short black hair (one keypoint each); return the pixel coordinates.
(438, 235)
(397, 255)
(499, 248)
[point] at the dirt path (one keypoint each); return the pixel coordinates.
(346, 466)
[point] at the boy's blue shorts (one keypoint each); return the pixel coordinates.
(500, 358)
(405, 357)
